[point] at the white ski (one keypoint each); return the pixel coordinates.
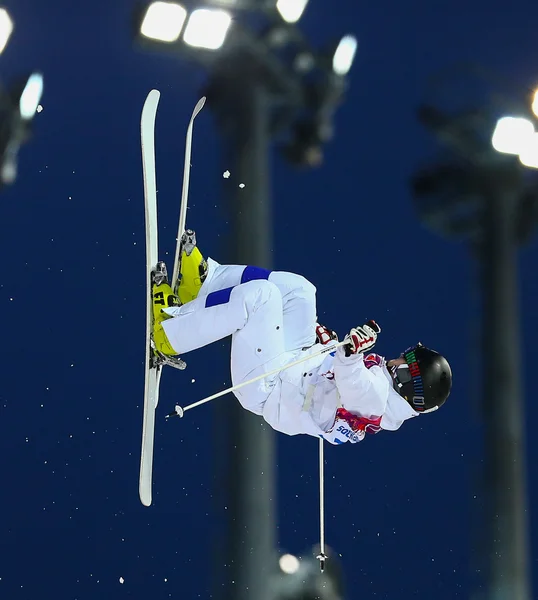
(185, 193)
(153, 370)
(156, 270)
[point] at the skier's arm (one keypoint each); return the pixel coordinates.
(363, 391)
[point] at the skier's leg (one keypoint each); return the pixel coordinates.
(222, 276)
(259, 347)
(298, 298)
(221, 313)
(299, 307)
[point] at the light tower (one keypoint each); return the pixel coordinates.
(482, 191)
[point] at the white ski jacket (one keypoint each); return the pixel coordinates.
(337, 397)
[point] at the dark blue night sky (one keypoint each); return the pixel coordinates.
(400, 506)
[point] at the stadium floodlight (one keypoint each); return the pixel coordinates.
(207, 28)
(512, 135)
(535, 103)
(289, 564)
(291, 10)
(20, 106)
(344, 55)
(163, 21)
(6, 27)
(31, 96)
(529, 155)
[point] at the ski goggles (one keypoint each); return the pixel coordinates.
(404, 384)
(401, 375)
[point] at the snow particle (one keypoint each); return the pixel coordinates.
(39, 108)
(241, 185)
(122, 580)
(226, 174)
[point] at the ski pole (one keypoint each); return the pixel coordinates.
(322, 557)
(180, 411)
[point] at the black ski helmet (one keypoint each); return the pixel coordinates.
(428, 380)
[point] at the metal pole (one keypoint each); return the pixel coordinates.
(242, 109)
(505, 495)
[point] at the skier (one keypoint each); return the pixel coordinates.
(271, 316)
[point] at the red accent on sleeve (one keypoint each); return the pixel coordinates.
(373, 360)
(357, 423)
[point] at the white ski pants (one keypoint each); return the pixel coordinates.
(268, 314)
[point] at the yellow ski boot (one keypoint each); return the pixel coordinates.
(163, 297)
(193, 270)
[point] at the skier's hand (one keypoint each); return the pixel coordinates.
(324, 335)
(362, 338)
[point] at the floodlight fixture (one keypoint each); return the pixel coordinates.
(512, 135)
(291, 10)
(535, 103)
(344, 55)
(19, 106)
(163, 21)
(31, 96)
(207, 28)
(6, 27)
(529, 154)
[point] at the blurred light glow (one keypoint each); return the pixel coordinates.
(535, 103)
(31, 95)
(512, 135)
(207, 28)
(304, 62)
(291, 10)
(344, 55)
(529, 155)
(8, 172)
(6, 27)
(289, 564)
(163, 21)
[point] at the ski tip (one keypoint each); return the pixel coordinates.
(199, 106)
(145, 498)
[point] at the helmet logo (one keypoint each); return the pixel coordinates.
(418, 384)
